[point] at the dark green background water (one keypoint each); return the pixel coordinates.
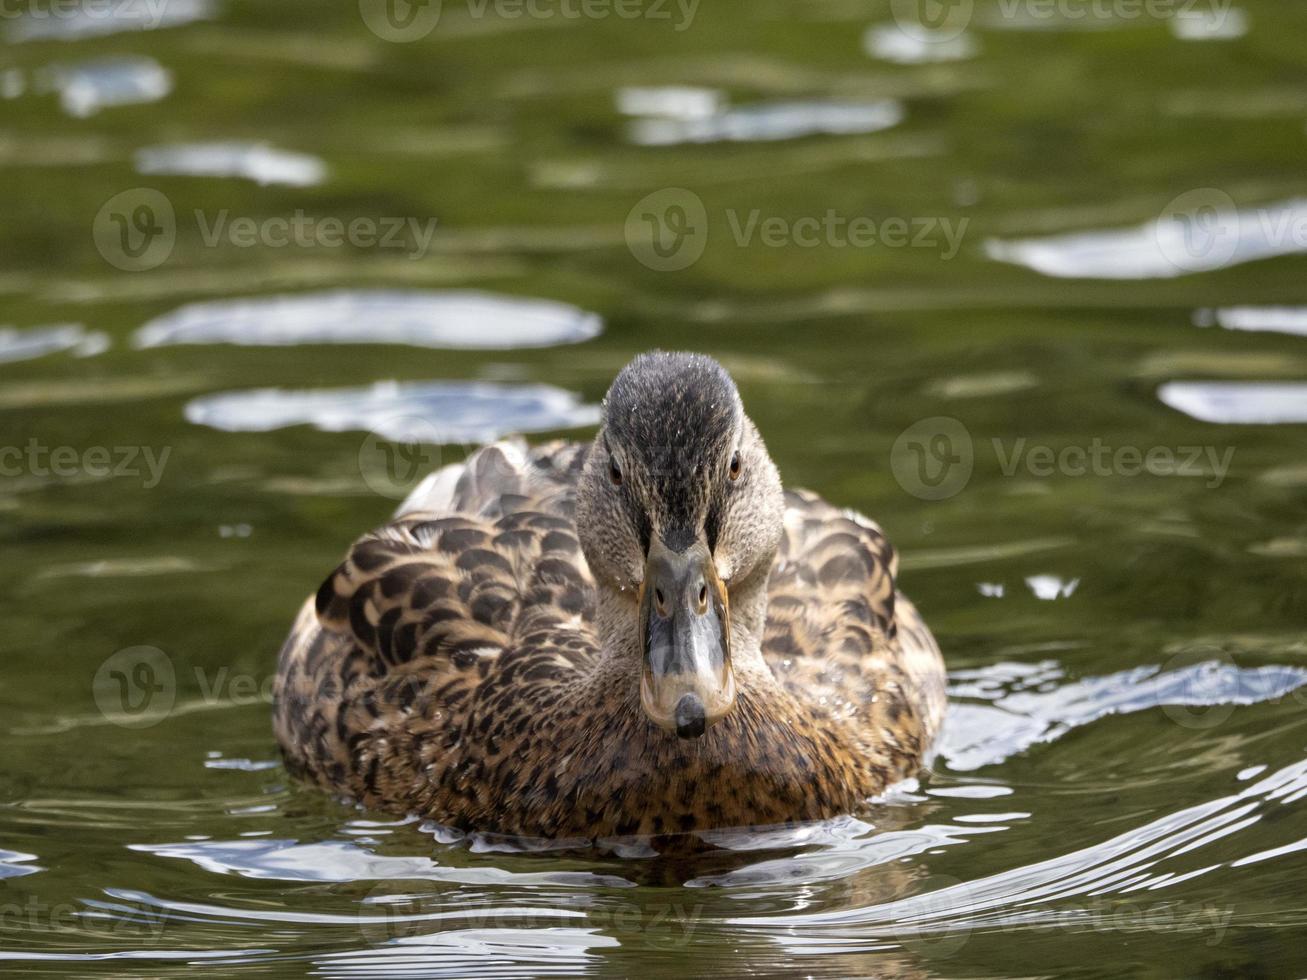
(1083, 820)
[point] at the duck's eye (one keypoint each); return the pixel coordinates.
(614, 471)
(734, 471)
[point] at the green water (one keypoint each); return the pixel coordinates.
(1123, 782)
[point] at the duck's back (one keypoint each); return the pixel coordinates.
(845, 641)
(478, 579)
(445, 636)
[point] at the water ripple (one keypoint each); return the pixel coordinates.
(339, 860)
(1238, 402)
(89, 86)
(23, 345)
(13, 864)
(1025, 707)
(253, 161)
(460, 319)
(466, 952)
(889, 42)
(1028, 895)
(768, 122)
(1278, 319)
(433, 412)
(61, 22)
(1225, 23)
(1214, 237)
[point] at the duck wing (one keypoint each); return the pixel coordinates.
(479, 570)
(843, 639)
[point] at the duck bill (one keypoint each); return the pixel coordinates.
(686, 685)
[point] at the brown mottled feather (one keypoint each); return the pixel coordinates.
(450, 667)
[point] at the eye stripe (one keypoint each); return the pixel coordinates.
(645, 529)
(712, 526)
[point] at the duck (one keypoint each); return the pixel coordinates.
(642, 635)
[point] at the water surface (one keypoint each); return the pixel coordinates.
(1108, 542)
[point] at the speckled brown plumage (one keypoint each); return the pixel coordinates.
(452, 667)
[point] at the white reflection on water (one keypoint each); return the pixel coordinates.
(555, 951)
(123, 954)
(470, 917)
(13, 864)
(423, 318)
(767, 122)
(396, 934)
(1238, 402)
(350, 860)
(1026, 704)
(1159, 854)
(1220, 23)
(89, 86)
(65, 22)
(23, 345)
(889, 42)
(1277, 319)
(1212, 237)
(1051, 587)
(439, 411)
(253, 161)
(12, 83)
(670, 101)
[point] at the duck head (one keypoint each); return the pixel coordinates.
(679, 513)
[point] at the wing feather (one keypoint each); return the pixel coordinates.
(480, 564)
(839, 633)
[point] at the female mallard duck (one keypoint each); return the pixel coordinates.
(643, 635)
